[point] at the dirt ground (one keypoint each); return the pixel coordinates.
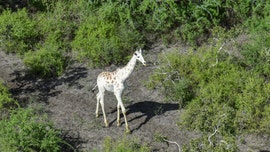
(70, 104)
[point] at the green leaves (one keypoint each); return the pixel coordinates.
(25, 131)
(17, 31)
(103, 39)
(123, 145)
(106, 32)
(223, 94)
(46, 62)
(5, 97)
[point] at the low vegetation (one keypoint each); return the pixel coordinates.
(109, 31)
(6, 101)
(125, 145)
(221, 82)
(24, 129)
(223, 89)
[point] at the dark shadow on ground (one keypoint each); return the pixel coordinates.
(44, 88)
(149, 109)
(72, 141)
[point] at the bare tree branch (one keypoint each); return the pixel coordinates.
(173, 142)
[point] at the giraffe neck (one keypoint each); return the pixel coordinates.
(125, 72)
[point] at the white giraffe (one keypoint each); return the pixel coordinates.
(114, 82)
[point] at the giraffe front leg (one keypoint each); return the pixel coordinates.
(118, 96)
(127, 127)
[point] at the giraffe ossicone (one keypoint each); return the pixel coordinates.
(114, 82)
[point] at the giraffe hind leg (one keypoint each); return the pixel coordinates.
(103, 110)
(98, 100)
(118, 114)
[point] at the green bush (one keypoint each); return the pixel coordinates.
(107, 32)
(168, 77)
(17, 31)
(256, 54)
(123, 145)
(230, 93)
(104, 42)
(5, 97)
(56, 29)
(25, 131)
(221, 95)
(57, 26)
(220, 91)
(41, 39)
(158, 15)
(265, 126)
(46, 62)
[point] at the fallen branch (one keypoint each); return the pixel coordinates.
(173, 142)
(217, 54)
(209, 137)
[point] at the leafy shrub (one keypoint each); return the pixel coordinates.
(256, 54)
(168, 77)
(47, 61)
(125, 145)
(232, 97)
(107, 32)
(57, 26)
(44, 31)
(56, 31)
(265, 126)
(104, 42)
(5, 96)
(221, 92)
(25, 131)
(32, 5)
(17, 31)
(158, 15)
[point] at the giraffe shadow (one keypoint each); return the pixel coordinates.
(149, 109)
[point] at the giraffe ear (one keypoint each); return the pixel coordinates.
(140, 50)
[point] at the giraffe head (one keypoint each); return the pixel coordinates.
(139, 56)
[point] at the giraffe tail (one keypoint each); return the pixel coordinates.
(93, 90)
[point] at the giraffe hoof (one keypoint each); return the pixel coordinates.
(128, 131)
(96, 115)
